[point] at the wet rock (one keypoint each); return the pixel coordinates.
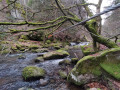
(21, 56)
(39, 59)
(94, 89)
(76, 52)
(57, 47)
(48, 42)
(4, 51)
(63, 74)
(20, 47)
(43, 82)
(25, 88)
(40, 50)
(55, 55)
(24, 37)
(74, 60)
(33, 47)
(36, 35)
(40, 54)
(52, 81)
(65, 62)
(92, 67)
(33, 73)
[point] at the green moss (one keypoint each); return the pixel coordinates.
(25, 37)
(87, 50)
(92, 27)
(20, 47)
(25, 88)
(65, 62)
(74, 60)
(33, 47)
(14, 48)
(39, 59)
(65, 53)
(31, 72)
(5, 51)
(40, 50)
(112, 68)
(48, 41)
(1, 47)
(21, 40)
(55, 54)
(94, 64)
(63, 74)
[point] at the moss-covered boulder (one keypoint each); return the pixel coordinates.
(24, 37)
(33, 73)
(87, 49)
(40, 50)
(65, 62)
(92, 67)
(36, 35)
(48, 41)
(55, 55)
(6, 51)
(19, 47)
(14, 48)
(33, 47)
(39, 59)
(74, 60)
(63, 74)
(57, 45)
(21, 56)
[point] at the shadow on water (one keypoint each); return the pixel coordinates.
(11, 79)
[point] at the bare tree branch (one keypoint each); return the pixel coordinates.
(8, 5)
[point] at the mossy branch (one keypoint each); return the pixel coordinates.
(36, 29)
(90, 25)
(53, 30)
(33, 23)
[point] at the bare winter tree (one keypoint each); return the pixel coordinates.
(64, 14)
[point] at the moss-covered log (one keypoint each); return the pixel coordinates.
(33, 23)
(91, 27)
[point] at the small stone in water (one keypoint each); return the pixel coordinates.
(94, 89)
(21, 57)
(25, 88)
(39, 54)
(43, 82)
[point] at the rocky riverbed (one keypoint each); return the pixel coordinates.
(11, 73)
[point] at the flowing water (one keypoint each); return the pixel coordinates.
(11, 69)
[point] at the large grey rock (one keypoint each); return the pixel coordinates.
(76, 52)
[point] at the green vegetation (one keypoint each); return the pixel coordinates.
(63, 74)
(93, 64)
(55, 54)
(65, 62)
(32, 72)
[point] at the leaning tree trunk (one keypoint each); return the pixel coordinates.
(91, 27)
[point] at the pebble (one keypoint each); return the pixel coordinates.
(43, 82)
